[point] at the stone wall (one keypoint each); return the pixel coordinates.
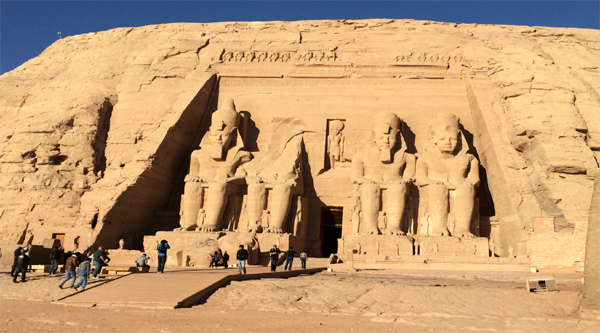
(562, 249)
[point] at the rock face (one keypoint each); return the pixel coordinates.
(97, 131)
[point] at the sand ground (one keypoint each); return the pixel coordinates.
(368, 301)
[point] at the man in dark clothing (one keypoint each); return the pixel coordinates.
(22, 263)
(162, 255)
(274, 253)
(99, 259)
(225, 259)
(242, 256)
(54, 257)
(289, 258)
(14, 266)
(76, 244)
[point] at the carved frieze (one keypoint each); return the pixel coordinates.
(278, 56)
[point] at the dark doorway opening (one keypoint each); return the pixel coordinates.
(61, 238)
(331, 229)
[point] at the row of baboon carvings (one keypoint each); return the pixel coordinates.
(381, 173)
(264, 56)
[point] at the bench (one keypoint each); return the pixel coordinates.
(541, 282)
(121, 270)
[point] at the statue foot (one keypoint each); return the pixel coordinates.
(395, 232)
(207, 229)
(463, 233)
(440, 232)
(274, 230)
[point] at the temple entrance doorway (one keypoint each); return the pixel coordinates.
(331, 229)
(61, 238)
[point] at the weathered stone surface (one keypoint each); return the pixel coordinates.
(97, 130)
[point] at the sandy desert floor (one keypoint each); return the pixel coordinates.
(368, 301)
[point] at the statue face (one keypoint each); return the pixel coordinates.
(447, 141)
(220, 138)
(386, 141)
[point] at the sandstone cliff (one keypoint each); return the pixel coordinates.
(96, 130)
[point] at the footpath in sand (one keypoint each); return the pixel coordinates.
(172, 289)
(367, 301)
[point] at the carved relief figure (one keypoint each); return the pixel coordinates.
(446, 166)
(384, 164)
(335, 142)
(215, 168)
(200, 220)
(356, 216)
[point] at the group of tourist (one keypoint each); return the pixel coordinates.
(289, 258)
(219, 259)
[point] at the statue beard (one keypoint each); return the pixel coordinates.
(217, 153)
(385, 155)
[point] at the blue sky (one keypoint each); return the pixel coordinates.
(28, 27)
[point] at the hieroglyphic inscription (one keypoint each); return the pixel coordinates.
(338, 83)
(278, 56)
(424, 57)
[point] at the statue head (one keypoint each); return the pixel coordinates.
(224, 123)
(336, 126)
(443, 132)
(386, 129)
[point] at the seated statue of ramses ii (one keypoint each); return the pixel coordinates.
(446, 166)
(383, 164)
(214, 168)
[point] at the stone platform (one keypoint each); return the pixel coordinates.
(193, 248)
(185, 287)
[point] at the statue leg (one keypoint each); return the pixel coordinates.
(395, 203)
(257, 199)
(464, 199)
(192, 201)
(438, 209)
(281, 200)
(215, 205)
(371, 203)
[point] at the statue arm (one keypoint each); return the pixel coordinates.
(358, 168)
(421, 173)
(192, 176)
(410, 168)
(473, 177)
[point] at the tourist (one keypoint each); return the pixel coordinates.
(70, 266)
(303, 257)
(213, 259)
(242, 256)
(76, 244)
(54, 257)
(83, 272)
(162, 255)
(99, 259)
(289, 258)
(17, 253)
(225, 259)
(142, 261)
(274, 253)
(22, 263)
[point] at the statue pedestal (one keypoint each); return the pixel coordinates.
(188, 248)
(382, 245)
(442, 246)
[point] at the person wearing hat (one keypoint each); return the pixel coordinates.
(142, 261)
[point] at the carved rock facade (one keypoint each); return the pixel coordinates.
(98, 130)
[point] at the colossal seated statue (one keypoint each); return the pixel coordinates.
(276, 179)
(214, 168)
(384, 164)
(447, 167)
